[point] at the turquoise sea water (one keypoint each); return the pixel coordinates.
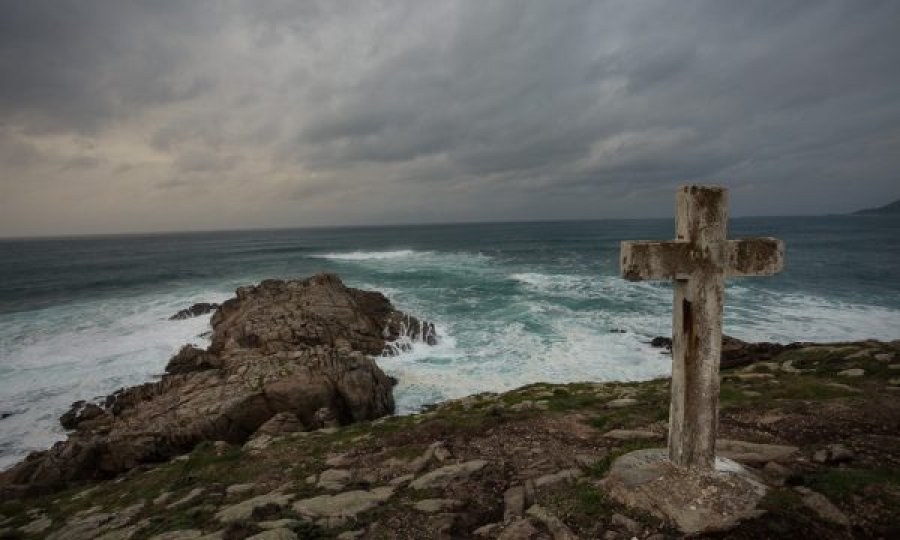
(514, 303)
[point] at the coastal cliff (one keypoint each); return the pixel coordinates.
(278, 430)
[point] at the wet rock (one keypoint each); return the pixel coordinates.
(440, 478)
(200, 308)
(81, 412)
(852, 372)
(190, 358)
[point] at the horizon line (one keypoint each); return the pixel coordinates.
(75, 236)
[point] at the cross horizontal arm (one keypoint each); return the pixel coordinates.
(646, 260)
(754, 257)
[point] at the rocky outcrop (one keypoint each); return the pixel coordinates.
(285, 356)
(200, 308)
(737, 353)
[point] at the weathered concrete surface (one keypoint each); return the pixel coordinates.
(693, 500)
(698, 260)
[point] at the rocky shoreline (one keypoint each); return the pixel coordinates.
(282, 429)
(284, 356)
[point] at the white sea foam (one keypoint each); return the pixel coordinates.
(369, 255)
(56, 356)
(536, 338)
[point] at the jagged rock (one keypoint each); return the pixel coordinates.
(200, 308)
(440, 478)
(557, 528)
(189, 358)
(81, 412)
(244, 510)
(298, 347)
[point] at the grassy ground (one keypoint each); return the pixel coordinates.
(799, 398)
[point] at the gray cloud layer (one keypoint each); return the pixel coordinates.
(122, 116)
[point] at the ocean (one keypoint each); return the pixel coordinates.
(514, 303)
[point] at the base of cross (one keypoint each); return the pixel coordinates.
(694, 501)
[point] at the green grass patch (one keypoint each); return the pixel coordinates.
(843, 484)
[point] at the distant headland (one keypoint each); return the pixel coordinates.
(888, 209)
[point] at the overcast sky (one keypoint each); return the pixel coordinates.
(120, 116)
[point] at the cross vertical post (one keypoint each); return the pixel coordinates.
(698, 261)
(697, 329)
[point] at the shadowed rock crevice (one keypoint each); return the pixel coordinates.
(300, 347)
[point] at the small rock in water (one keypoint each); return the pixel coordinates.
(200, 308)
(852, 372)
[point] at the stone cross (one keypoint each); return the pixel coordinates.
(698, 261)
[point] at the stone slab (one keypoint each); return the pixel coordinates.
(693, 500)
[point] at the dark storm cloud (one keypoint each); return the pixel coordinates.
(302, 113)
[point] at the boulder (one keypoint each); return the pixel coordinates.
(299, 347)
(200, 308)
